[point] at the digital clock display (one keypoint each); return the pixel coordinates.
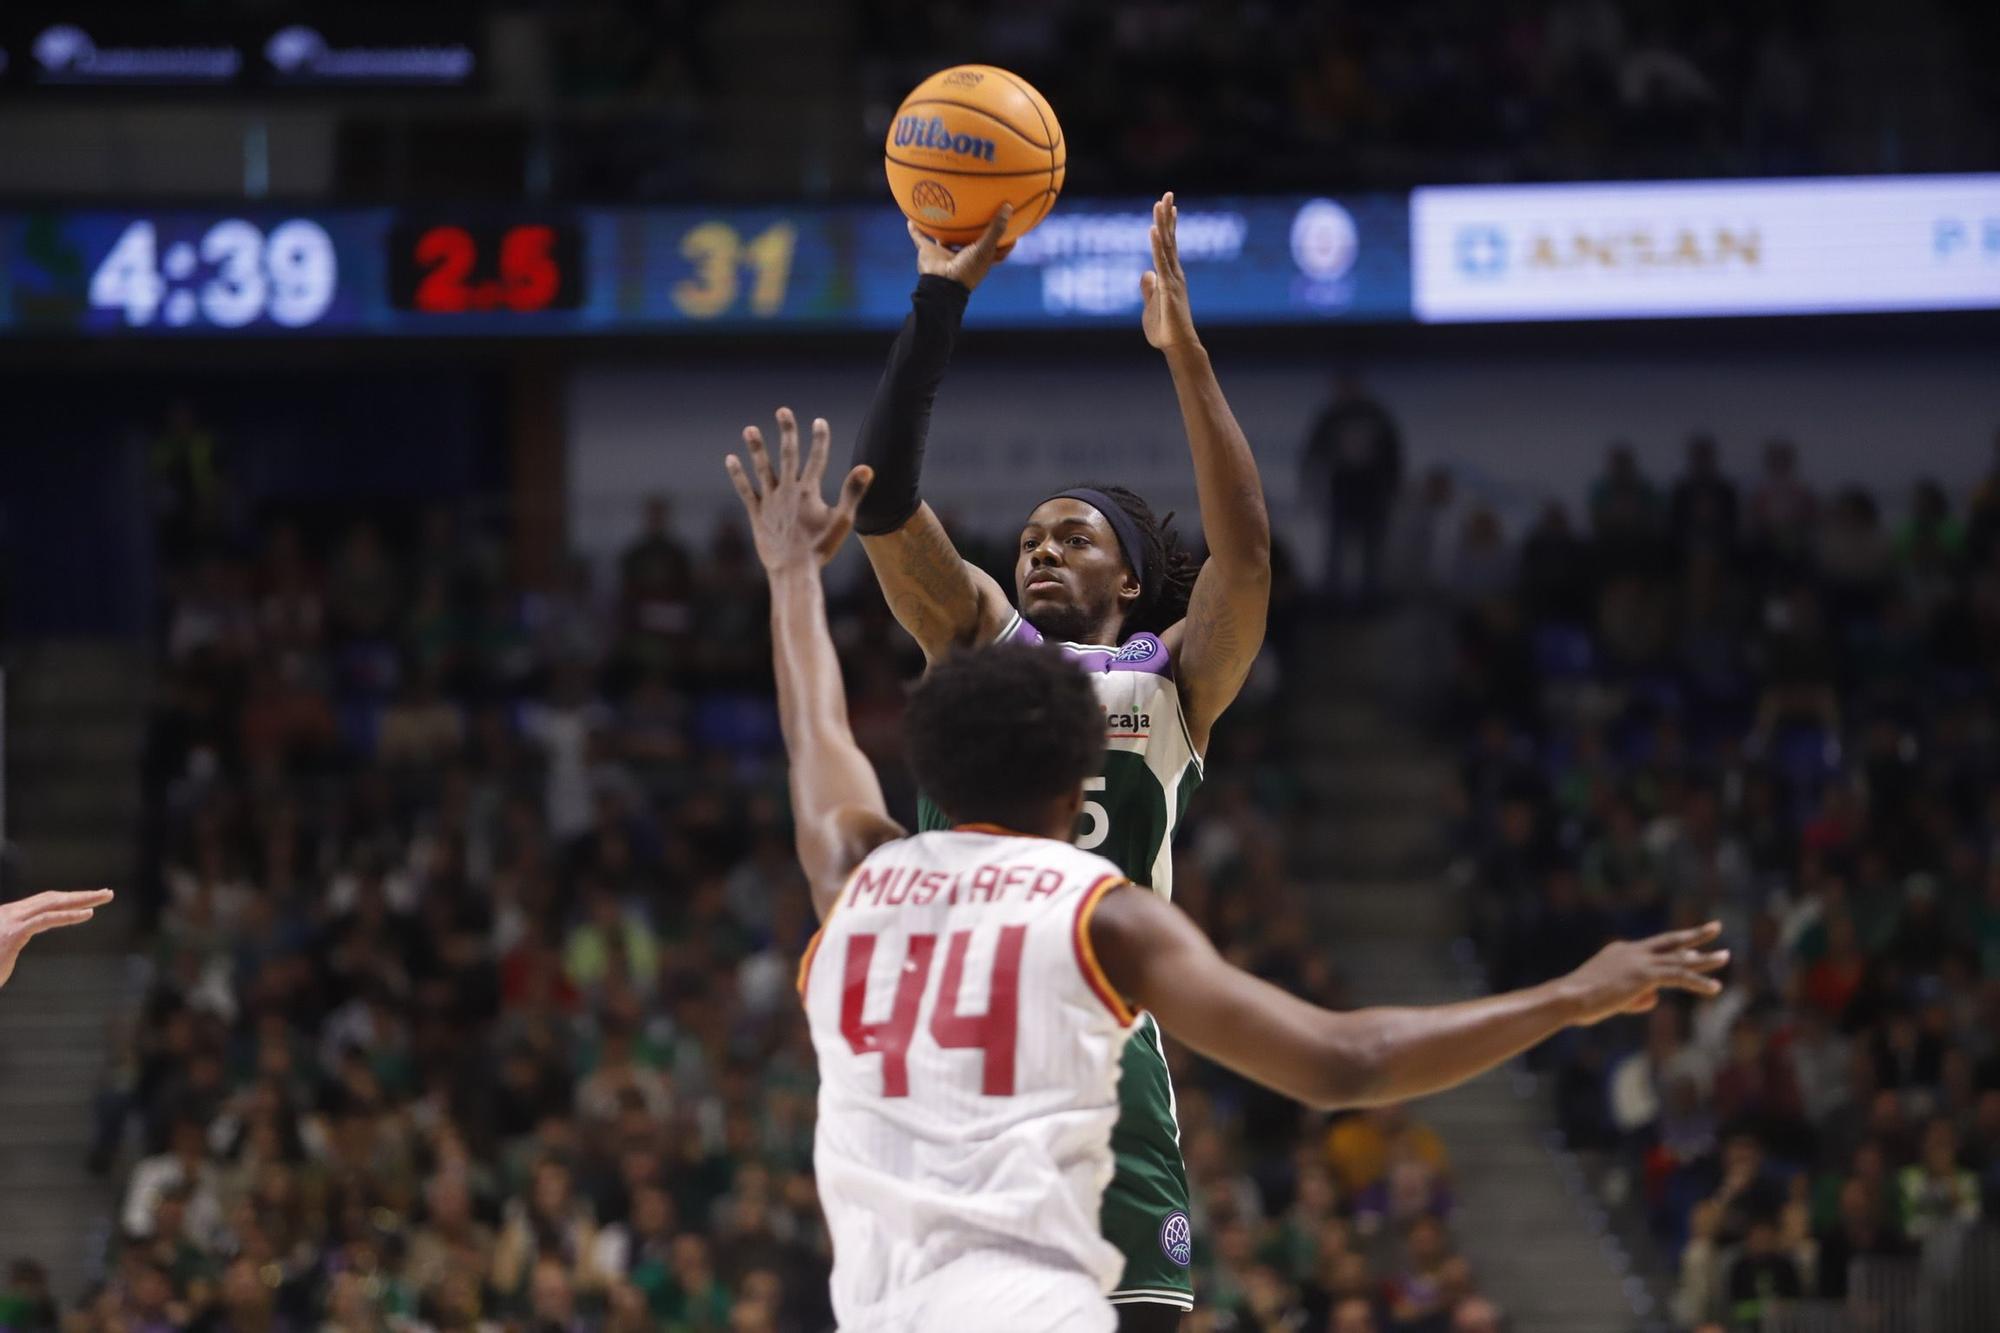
(448, 268)
(227, 274)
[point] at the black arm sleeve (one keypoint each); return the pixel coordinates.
(892, 434)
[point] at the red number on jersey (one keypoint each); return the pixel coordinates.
(890, 1039)
(992, 1031)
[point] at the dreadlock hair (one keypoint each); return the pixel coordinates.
(1170, 569)
(997, 734)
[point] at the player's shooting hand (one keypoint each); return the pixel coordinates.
(1628, 976)
(22, 921)
(1167, 320)
(790, 520)
(968, 264)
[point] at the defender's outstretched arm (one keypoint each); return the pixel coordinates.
(838, 812)
(26, 918)
(1152, 953)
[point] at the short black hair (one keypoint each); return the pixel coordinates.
(996, 734)
(1170, 570)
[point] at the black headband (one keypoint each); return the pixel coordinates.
(1121, 524)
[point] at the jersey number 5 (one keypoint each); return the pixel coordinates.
(991, 1032)
(1091, 838)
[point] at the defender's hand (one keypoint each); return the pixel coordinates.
(1167, 320)
(1627, 977)
(22, 921)
(789, 520)
(968, 264)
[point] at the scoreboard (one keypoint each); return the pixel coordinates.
(1465, 254)
(343, 272)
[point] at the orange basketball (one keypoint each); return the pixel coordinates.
(967, 140)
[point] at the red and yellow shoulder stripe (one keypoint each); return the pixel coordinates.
(1086, 954)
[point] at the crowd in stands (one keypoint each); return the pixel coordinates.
(1775, 703)
(467, 996)
(1294, 94)
(646, 99)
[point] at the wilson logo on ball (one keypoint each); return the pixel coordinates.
(919, 132)
(963, 78)
(932, 201)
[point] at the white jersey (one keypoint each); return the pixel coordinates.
(969, 1051)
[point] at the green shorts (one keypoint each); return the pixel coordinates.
(1146, 1205)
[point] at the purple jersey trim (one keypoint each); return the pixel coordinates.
(1141, 652)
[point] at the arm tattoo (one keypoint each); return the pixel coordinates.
(928, 587)
(1218, 647)
(932, 564)
(1213, 633)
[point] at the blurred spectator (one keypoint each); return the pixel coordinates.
(1416, 555)
(612, 943)
(363, 590)
(1698, 1289)
(1936, 1191)
(1554, 581)
(1354, 1315)
(1762, 1274)
(1638, 1082)
(181, 1180)
(1426, 1287)
(563, 728)
(1365, 1143)
(1703, 506)
(1482, 567)
(656, 592)
(1783, 508)
(190, 468)
(26, 1305)
(1476, 1314)
(1625, 508)
(1354, 451)
(1863, 1231)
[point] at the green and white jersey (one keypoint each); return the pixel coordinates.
(1131, 810)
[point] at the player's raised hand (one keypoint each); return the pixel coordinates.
(968, 264)
(1167, 320)
(1628, 976)
(790, 520)
(22, 921)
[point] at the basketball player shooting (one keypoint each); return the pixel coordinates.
(23, 920)
(971, 989)
(1166, 648)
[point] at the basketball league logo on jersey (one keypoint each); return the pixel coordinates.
(1177, 1238)
(1139, 648)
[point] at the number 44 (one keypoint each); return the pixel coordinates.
(991, 1033)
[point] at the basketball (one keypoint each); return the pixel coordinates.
(967, 140)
